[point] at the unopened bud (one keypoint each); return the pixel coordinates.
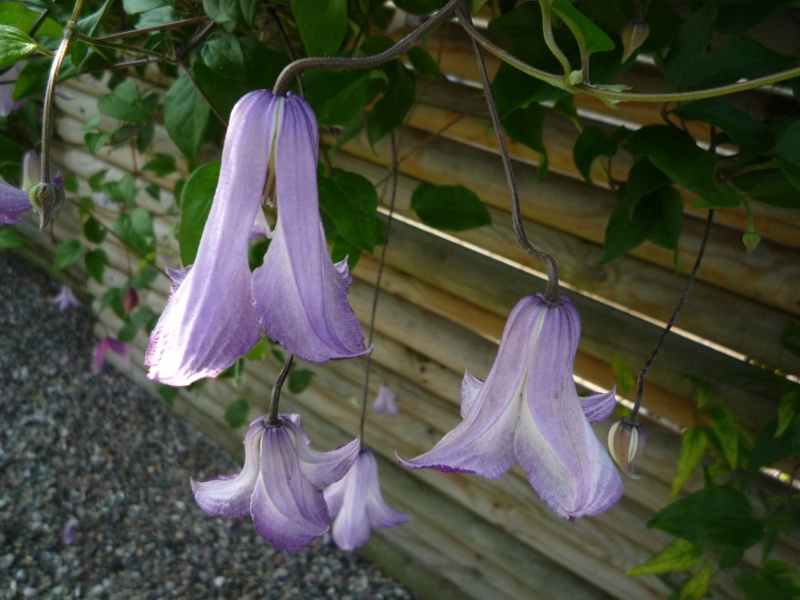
(46, 199)
(130, 299)
(626, 440)
(751, 240)
(633, 36)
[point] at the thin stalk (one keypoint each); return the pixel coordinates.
(549, 39)
(378, 289)
(672, 319)
(148, 30)
(288, 43)
(605, 94)
(551, 292)
(334, 62)
(273, 419)
(47, 111)
(123, 47)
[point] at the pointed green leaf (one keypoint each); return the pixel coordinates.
(185, 115)
(788, 407)
(525, 125)
(16, 45)
(351, 202)
(716, 516)
(22, 18)
(589, 36)
(124, 103)
(679, 555)
(136, 230)
(726, 433)
(236, 413)
(322, 24)
(336, 97)
(693, 448)
(390, 111)
(10, 239)
(591, 144)
(96, 262)
(423, 62)
(697, 587)
(196, 198)
(222, 54)
(299, 380)
(67, 253)
(449, 207)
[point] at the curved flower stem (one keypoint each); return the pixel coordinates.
(672, 319)
(47, 111)
(615, 96)
(551, 293)
(378, 289)
(148, 30)
(273, 419)
(334, 62)
(549, 38)
(123, 47)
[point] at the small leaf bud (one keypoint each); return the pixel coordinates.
(633, 36)
(751, 240)
(626, 441)
(47, 199)
(130, 299)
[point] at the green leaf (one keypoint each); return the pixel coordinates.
(777, 187)
(752, 137)
(236, 413)
(717, 516)
(589, 36)
(161, 164)
(96, 140)
(16, 45)
(167, 392)
(351, 202)
(196, 198)
(679, 555)
(788, 155)
(678, 156)
(136, 230)
(697, 587)
(591, 144)
(337, 97)
(693, 37)
(258, 351)
(299, 380)
(163, 15)
(185, 115)
(788, 407)
(231, 11)
(423, 62)
(322, 24)
(20, 17)
(736, 16)
(769, 448)
(10, 239)
(449, 207)
(113, 299)
(123, 191)
(96, 262)
(737, 57)
(32, 80)
(693, 448)
(133, 323)
(134, 7)
(727, 433)
(390, 111)
(223, 55)
(147, 275)
(67, 253)
(626, 378)
(775, 581)
(525, 125)
(124, 103)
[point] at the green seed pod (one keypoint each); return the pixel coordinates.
(633, 36)
(47, 200)
(626, 440)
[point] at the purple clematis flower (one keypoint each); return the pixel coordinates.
(356, 502)
(279, 484)
(386, 402)
(298, 295)
(528, 410)
(101, 349)
(66, 299)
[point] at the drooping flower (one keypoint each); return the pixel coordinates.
(386, 402)
(357, 505)
(8, 80)
(101, 349)
(66, 299)
(298, 295)
(626, 442)
(279, 484)
(13, 201)
(528, 410)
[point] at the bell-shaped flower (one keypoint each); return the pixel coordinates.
(298, 295)
(357, 505)
(101, 349)
(66, 299)
(279, 484)
(386, 402)
(528, 410)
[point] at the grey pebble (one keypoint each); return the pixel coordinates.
(95, 500)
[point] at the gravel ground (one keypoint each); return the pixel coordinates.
(94, 481)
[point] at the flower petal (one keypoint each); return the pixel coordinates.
(210, 320)
(320, 468)
(599, 406)
(483, 442)
(287, 509)
(351, 526)
(300, 294)
(229, 496)
(564, 461)
(7, 103)
(12, 202)
(379, 514)
(470, 387)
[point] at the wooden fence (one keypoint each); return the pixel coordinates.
(443, 304)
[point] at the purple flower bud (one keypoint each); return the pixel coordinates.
(626, 441)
